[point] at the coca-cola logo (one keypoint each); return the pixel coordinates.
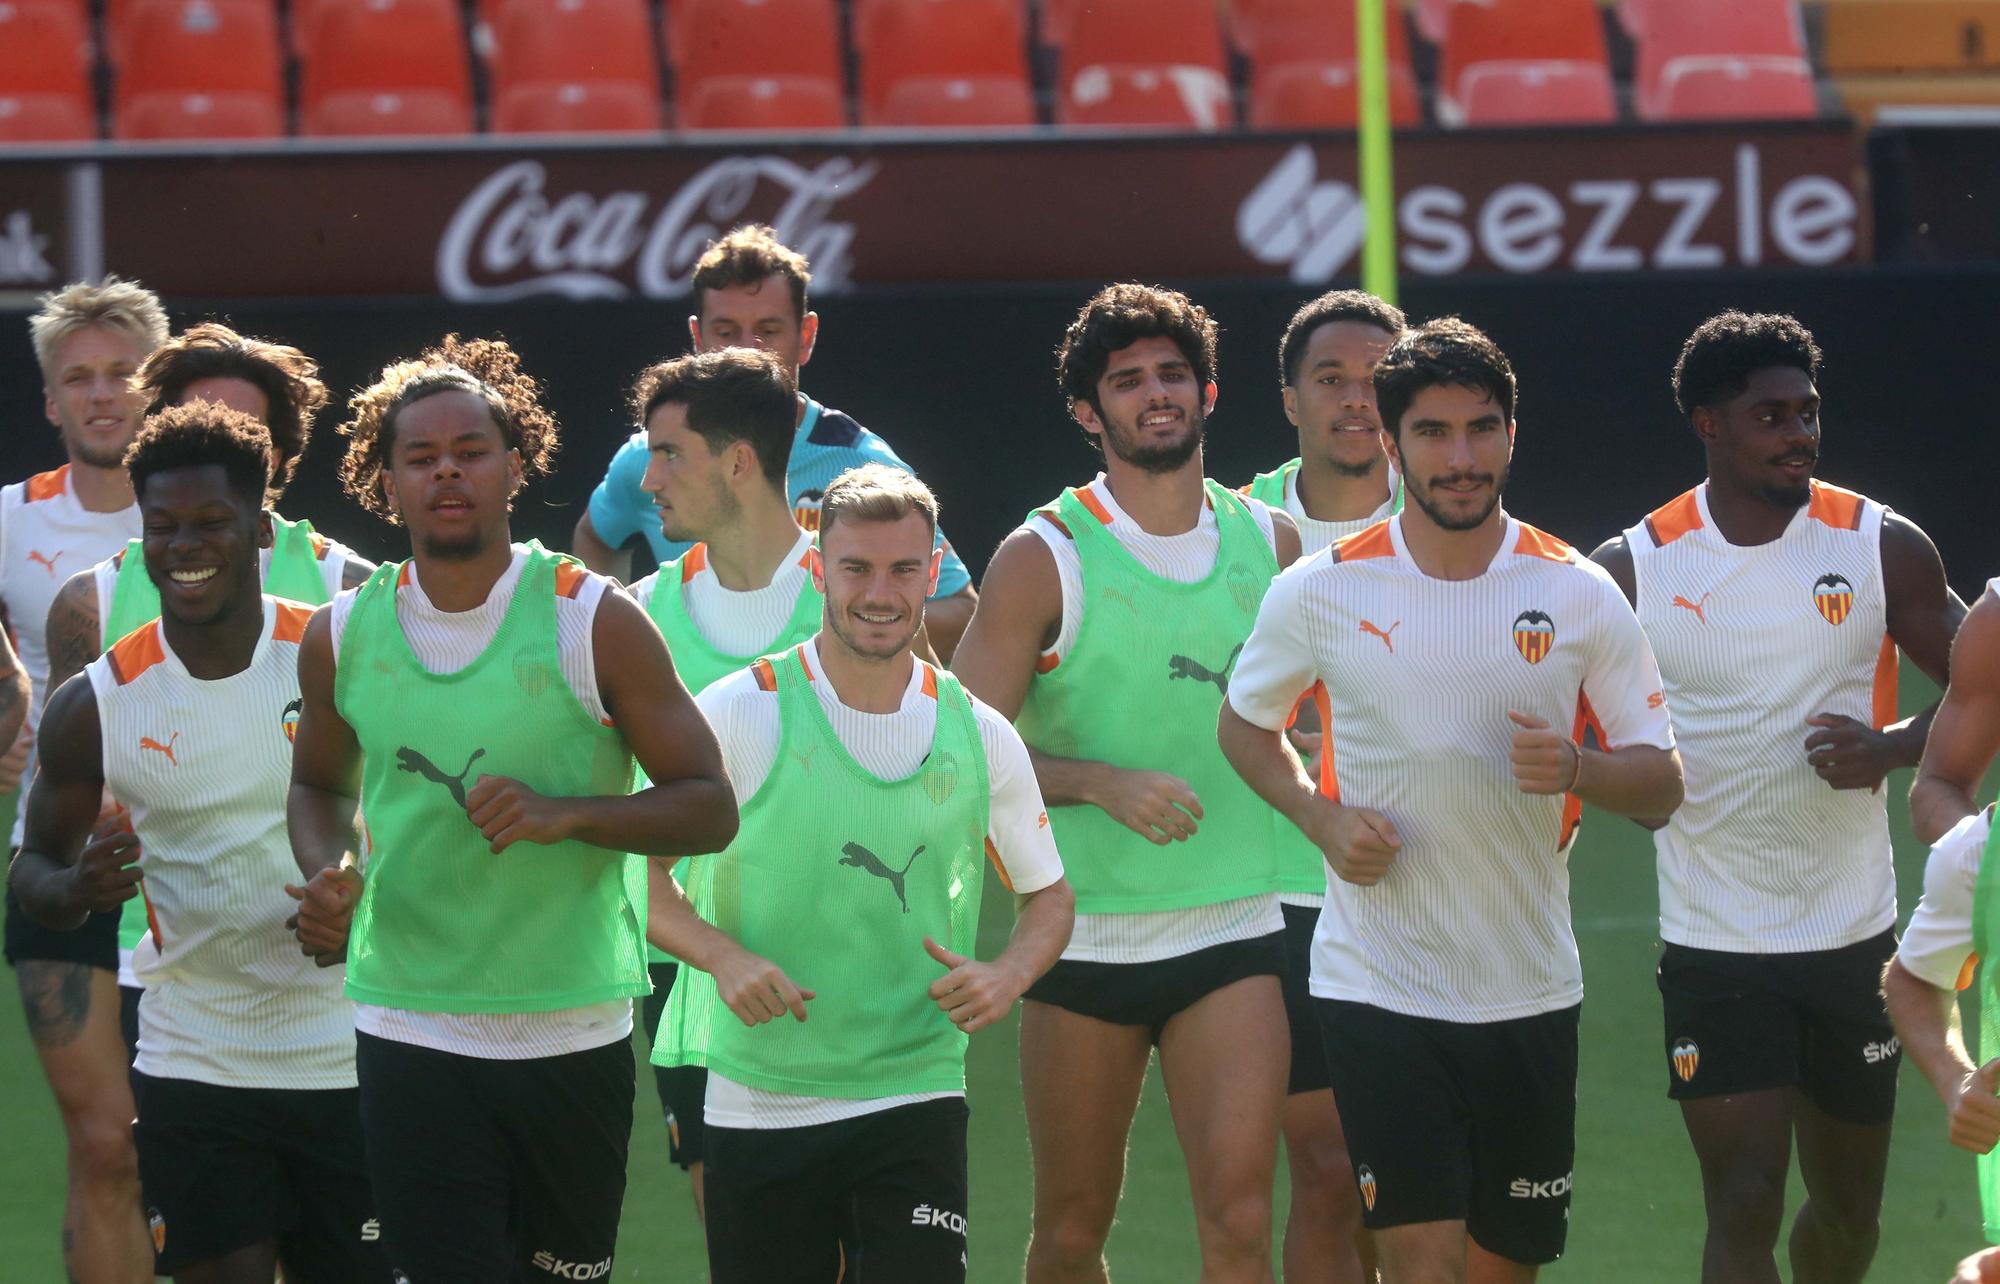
(23, 252)
(511, 239)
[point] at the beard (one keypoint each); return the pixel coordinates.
(724, 508)
(94, 455)
(1788, 496)
(454, 548)
(1165, 457)
(1346, 469)
(836, 623)
(1424, 497)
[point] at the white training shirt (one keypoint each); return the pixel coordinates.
(205, 767)
(738, 622)
(1472, 921)
(749, 725)
(47, 535)
(1185, 558)
(1937, 947)
(445, 642)
(1764, 857)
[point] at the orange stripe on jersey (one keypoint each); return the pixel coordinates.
(767, 677)
(403, 576)
(806, 558)
(152, 916)
(46, 485)
(993, 858)
(693, 562)
(1886, 673)
(1586, 720)
(807, 667)
(1840, 509)
(1095, 505)
(569, 579)
(1538, 543)
(1966, 973)
(1050, 516)
(1329, 780)
(136, 652)
(1047, 662)
(1375, 541)
(321, 545)
(1674, 519)
(290, 625)
(930, 680)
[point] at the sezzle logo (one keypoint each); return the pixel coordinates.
(1524, 1188)
(1687, 1058)
(509, 240)
(1877, 1053)
(559, 1269)
(925, 1215)
(1364, 1177)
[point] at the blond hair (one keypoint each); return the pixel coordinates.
(123, 306)
(876, 493)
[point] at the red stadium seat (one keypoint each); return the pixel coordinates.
(1434, 18)
(1699, 28)
(869, 13)
(940, 38)
(387, 46)
(953, 102)
(1723, 86)
(366, 113)
(755, 37)
(43, 51)
(764, 102)
(1173, 97)
(1324, 95)
(1180, 33)
(1278, 31)
(46, 118)
(1516, 31)
(217, 49)
(1536, 93)
(166, 116)
(568, 41)
(601, 107)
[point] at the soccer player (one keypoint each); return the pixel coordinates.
(1109, 628)
(1458, 648)
(484, 703)
(249, 1132)
(873, 792)
(277, 385)
(89, 341)
(750, 292)
(1340, 483)
(719, 425)
(1776, 604)
(15, 691)
(1965, 734)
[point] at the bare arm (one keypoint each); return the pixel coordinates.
(1285, 538)
(599, 556)
(63, 874)
(326, 761)
(1926, 1020)
(945, 621)
(1615, 556)
(1966, 729)
(14, 693)
(1359, 843)
(75, 633)
(754, 988)
(974, 994)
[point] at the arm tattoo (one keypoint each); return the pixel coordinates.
(75, 635)
(56, 998)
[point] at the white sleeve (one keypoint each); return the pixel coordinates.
(1938, 943)
(1017, 823)
(748, 725)
(1261, 513)
(343, 606)
(642, 592)
(1621, 678)
(1277, 663)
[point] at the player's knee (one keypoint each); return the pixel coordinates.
(1747, 1201)
(1238, 1225)
(1067, 1243)
(101, 1150)
(1846, 1228)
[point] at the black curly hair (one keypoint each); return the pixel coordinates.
(1718, 359)
(1118, 316)
(199, 433)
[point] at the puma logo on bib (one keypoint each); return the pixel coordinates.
(408, 759)
(1181, 666)
(859, 857)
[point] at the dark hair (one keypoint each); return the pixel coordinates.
(1118, 316)
(197, 434)
(1334, 305)
(1724, 351)
(486, 368)
(288, 378)
(747, 256)
(736, 394)
(1447, 352)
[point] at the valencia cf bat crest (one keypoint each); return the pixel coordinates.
(1833, 597)
(1365, 1178)
(1534, 635)
(1687, 1058)
(290, 719)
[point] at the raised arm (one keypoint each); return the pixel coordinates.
(63, 874)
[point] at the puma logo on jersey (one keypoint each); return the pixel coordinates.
(147, 742)
(859, 857)
(1374, 631)
(1181, 666)
(408, 759)
(48, 563)
(1699, 608)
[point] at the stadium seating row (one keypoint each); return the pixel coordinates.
(219, 68)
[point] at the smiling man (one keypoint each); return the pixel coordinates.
(1776, 604)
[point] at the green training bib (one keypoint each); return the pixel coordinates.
(1986, 940)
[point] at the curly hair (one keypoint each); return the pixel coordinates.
(1118, 316)
(1444, 353)
(199, 433)
(288, 378)
(1724, 351)
(1334, 305)
(486, 368)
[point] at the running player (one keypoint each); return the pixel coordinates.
(249, 1132)
(1112, 622)
(858, 870)
(1340, 483)
(1776, 604)
(750, 292)
(484, 703)
(1457, 647)
(89, 341)
(719, 425)
(277, 385)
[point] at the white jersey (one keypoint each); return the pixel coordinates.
(1185, 558)
(1937, 947)
(445, 642)
(205, 767)
(748, 725)
(1472, 921)
(1764, 856)
(46, 535)
(738, 622)
(1314, 534)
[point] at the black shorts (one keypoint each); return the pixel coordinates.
(1150, 994)
(1308, 1051)
(1814, 1021)
(94, 943)
(1450, 1121)
(497, 1170)
(682, 1089)
(880, 1198)
(225, 1168)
